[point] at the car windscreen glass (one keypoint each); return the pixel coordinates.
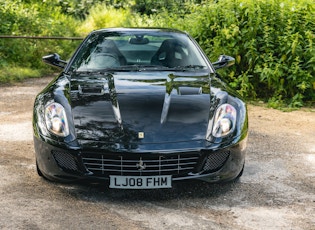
(119, 51)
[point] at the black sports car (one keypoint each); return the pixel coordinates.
(141, 108)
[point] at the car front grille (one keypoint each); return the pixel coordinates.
(140, 164)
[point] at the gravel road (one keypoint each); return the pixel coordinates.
(276, 191)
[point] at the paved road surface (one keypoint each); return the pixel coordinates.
(277, 190)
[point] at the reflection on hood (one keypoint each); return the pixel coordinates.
(141, 108)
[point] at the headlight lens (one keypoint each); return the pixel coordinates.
(224, 121)
(56, 119)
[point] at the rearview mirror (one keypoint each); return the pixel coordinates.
(224, 61)
(54, 60)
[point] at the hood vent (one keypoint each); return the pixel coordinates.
(99, 90)
(181, 91)
(93, 90)
(189, 90)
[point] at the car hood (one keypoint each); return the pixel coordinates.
(125, 108)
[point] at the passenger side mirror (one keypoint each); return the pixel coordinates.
(224, 61)
(54, 60)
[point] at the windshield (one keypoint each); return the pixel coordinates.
(137, 50)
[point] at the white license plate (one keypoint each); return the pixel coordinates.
(140, 182)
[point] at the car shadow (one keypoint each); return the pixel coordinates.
(191, 189)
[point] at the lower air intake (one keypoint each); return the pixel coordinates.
(65, 161)
(215, 161)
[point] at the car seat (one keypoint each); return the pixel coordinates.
(170, 54)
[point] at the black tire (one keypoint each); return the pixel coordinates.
(237, 178)
(38, 170)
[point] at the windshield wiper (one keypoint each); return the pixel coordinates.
(188, 67)
(140, 68)
(121, 68)
(97, 71)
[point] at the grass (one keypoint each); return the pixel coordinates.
(11, 74)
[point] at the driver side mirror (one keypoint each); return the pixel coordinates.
(54, 60)
(224, 61)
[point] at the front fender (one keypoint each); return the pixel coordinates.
(57, 91)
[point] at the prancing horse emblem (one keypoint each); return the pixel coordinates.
(141, 135)
(141, 165)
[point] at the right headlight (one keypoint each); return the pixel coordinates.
(56, 119)
(224, 120)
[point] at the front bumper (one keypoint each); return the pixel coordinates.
(65, 164)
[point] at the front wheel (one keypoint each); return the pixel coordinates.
(237, 178)
(38, 170)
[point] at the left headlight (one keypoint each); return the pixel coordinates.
(224, 120)
(56, 119)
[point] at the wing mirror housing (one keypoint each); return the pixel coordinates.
(54, 60)
(224, 61)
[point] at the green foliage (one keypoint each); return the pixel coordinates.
(11, 74)
(148, 7)
(32, 19)
(80, 9)
(272, 40)
(104, 16)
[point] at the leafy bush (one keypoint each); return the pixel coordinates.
(12, 74)
(32, 19)
(272, 41)
(148, 7)
(80, 9)
(103, 16)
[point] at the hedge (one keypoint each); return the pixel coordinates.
(271, 40)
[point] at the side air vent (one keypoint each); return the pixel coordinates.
(66, 161)
(215, 161)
